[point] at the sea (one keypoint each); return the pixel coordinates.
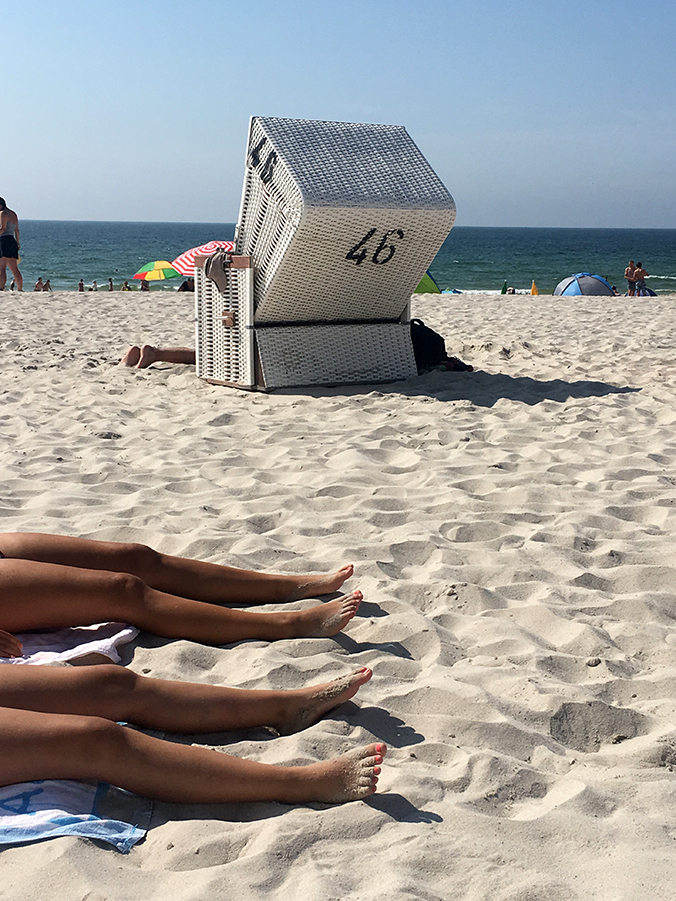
(471, 259)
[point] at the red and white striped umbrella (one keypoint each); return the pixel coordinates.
(185, 264)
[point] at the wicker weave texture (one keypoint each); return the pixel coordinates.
(335, 354)
(363, 164)
(224, 353)
(341, 219)
(317, 281)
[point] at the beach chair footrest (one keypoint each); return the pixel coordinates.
(335, 354)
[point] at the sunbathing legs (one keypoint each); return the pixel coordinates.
(51, 596)
(63, 746)
(48, 731)
(175, 575)
(146, 355)
(120, 695)
(60, 723)
(49, 581)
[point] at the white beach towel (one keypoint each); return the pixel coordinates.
(33, 811)
(61, 645)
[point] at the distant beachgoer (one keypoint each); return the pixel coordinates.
(12, 285)
(146, 355)
(9, 246)
(640, 275)
(188, 285)
(94, 286)
(630, 277)
(144, 285)
(80, 285)
(125, 286)
(510, 291)
(110, 285)
(47, 285)
(39, 285)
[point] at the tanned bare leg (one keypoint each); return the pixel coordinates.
(120, 695)
(174, 575)
(62, 746)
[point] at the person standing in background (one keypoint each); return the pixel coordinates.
(80, 285)
(110, 285)
(640, 275)
(629, 275)
(9, 246)
(47, 286)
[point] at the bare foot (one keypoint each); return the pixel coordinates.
(311, 586)
(308, 705)
(348, 778)
(131, 358)
(324, 620)
(147, 356)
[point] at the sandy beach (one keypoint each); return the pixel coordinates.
(512, 530)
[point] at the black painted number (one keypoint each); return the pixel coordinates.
(256, 153)
(361, 255)
(268, 169)
(383, 252)
(390, 250)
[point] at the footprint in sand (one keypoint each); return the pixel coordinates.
(564, 790)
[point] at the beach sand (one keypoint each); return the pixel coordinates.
(512, 531)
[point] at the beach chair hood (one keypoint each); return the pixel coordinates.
(341, 219)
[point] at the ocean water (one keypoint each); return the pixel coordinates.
(471, 259)
(482, 259)
(66, 252)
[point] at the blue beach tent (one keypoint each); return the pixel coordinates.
(584, 283)
(645, 292)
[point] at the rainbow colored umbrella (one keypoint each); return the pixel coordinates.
(186, 262)
(157, 271)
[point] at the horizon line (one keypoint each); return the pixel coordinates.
(213, 222)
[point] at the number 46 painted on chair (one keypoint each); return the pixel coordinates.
(383, 252)
(267, 171)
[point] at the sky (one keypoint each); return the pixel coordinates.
(534, 113)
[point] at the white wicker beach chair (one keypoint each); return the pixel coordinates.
(340, 221)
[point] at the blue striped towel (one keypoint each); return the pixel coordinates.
(32, 811)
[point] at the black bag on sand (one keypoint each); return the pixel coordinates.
(429, 349)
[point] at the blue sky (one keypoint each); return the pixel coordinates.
(536, 113)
